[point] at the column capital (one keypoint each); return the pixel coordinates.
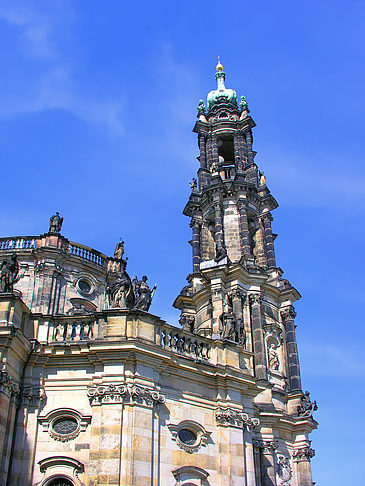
(242, 204)
(303, 454)
(266, 216)
(265, 446)
(288, 313)
(255, 299)
(195, 222)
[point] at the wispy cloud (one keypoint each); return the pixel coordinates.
(52, 83)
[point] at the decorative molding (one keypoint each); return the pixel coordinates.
(229, 417)
(33, 396)
(120, 393)
(265, 446)
(202, 436)
(303, 454)
(255, 299)
(288, 313)
(8, 386)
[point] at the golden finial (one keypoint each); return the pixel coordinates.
(219, 66)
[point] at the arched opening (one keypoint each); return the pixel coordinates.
(60, 481)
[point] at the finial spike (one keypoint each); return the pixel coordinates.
(219, 66)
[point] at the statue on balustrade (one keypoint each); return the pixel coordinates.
(143, 294)
(55, 223)
(120, 289)
(9, 274)
(307, 407)
(119, 251)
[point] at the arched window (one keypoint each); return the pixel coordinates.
(60, 482)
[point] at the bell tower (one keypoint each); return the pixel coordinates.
(236, 292)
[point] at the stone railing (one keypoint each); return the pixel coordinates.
(73, 329)
(87, 253)
(18, 243)
(181, 342)
(21, 243)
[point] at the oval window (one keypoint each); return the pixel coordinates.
(187, 436)
(65, 426)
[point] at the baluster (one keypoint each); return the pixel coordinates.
(65, 329)
(163, 338)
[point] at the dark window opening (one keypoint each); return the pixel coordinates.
(226, 150)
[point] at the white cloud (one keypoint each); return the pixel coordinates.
(51, 84)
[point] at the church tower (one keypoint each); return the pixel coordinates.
(95, 390)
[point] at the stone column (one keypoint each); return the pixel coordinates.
(215, 149)
(260, 245)
(288, 314)
(249, 146)
(258, 337)
(269, 240)
(302, 465)
(265, 457)
(237, 151)
(203, 152)
(218, 225)
(244, 232)
(195, 225)
(209, 149)
(237, 303)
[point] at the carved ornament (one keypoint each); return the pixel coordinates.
(120, 393)
(303, 454)
(230, 417)
(265, 446)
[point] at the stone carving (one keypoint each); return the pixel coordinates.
(243, 103)
(9, 274)
(273, 358)
(55, 223)
(33, 396)
(288, 312)
(118, 393)
(8, 386)
(119, 251)
(262, 179)
(187, 322)
(120, 290)
(220, 252)
(231, 328)
(266, 446)
(193, 184)
(303, 454)
(201, 108)
(143, 294)
(231, 417)
(307, 407)
(284, 470)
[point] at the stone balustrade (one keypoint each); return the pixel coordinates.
(73, 330)
(21, 243)
(18, 243)
(184, 343)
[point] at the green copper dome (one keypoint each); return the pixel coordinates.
(221, 94)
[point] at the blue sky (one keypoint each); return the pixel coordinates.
(97, 104)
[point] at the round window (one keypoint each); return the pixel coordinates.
(187, 436)
(65, 426)
(84, 286)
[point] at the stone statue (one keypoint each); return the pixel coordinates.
(273, 358)
(201, 108)
(243, 103)
(55, 223)
(307, 407)
(9, 271)
(262, 178)
(120, 291)
(284, 469)
(193, 184)
(119, 251)
(143, 294)
(220, 252)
